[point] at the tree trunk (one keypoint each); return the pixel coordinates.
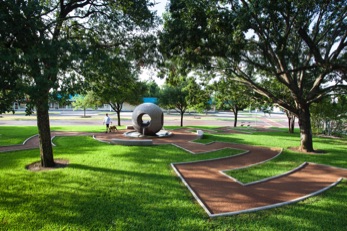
(291, 121)
(291, 125)
(117, 107)
(46, 151)
(118, 117)
(236, 112)
(306, 142)
(182, 118)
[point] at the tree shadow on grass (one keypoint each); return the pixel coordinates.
(97, 198)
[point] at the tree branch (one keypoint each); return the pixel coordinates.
(311, 45)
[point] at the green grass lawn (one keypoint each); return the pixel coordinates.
(109, 187)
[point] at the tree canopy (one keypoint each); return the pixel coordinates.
(300, 45)
(183, 94)
(232, 96)
(89, 100)
(119, 87)
(174, 97)
(47, 42)
(152, 89)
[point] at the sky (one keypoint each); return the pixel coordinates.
(148, 74)
(160, 6)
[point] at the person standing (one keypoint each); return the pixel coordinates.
(107, 121)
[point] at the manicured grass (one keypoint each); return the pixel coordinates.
(10, 135)
(109, 187)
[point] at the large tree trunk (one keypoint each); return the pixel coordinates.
(306, 142)
(46, 151)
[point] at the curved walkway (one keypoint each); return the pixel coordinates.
(220, 194)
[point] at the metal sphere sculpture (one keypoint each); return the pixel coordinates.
(149, 128)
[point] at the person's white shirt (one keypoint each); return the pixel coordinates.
(107, 120)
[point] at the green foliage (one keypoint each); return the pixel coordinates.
(135, 189)
(329, 116)
(183, 94)
(90, 100)
(174, 97)
(232, 95)
(198, 98)
(114, 79)
(10, 88)
(152, 89)
(245, 31)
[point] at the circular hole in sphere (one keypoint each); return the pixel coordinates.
(145, 120)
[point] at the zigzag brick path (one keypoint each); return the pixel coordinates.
(223, 195)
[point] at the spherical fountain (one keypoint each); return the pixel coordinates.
(148, 121)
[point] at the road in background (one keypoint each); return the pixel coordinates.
(68, 117)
